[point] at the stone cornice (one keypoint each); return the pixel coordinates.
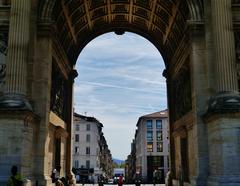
(56, 121)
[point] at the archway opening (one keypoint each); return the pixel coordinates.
(120, 79)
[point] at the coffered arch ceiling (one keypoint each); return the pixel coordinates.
(162, 22)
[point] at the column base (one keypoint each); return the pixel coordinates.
(17, 143)
(223, 103)
(14, 102)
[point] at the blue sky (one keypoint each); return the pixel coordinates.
(119, 80)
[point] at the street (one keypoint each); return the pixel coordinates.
(123, 184)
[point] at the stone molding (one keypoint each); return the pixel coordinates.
(60, 132)
(223, 104)
(14, 102)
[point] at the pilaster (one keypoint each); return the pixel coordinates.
(41, 91)
(70, 174)
(198, 164)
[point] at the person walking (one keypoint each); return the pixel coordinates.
(120, 180)
(57, 176)
(15, 179)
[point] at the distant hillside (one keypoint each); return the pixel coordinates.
(117, 161)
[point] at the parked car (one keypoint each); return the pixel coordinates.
(110, 181)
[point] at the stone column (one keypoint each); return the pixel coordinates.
(227, 98)
(223, 114)
(17, 56)
(223, 37)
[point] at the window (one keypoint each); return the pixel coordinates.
(77, 137)
(77, 150)
(149, 124)
(88, 137)
(77, 127)
(150, 146)
(87, 164)
(159, 124)
(159, 135)
(76, 164)
(149, 136)
(159, 146)
(88, 127)
(87, 150)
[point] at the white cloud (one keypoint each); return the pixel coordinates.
(117, 87)
(120, 79)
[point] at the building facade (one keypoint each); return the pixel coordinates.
(130, 164)
(87, 148)
(152, 145)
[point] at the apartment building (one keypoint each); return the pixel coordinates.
(87, 150)
(130, 164)
(152, 145)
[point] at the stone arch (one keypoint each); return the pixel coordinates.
(154, 20)
(163, 23)
(193, 43)
(196, 8)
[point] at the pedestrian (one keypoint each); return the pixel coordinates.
(120, 180)
(15, 179)
(100, 180)
(138, 179)
(53, 175)
(56, 176)
(157, 176)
